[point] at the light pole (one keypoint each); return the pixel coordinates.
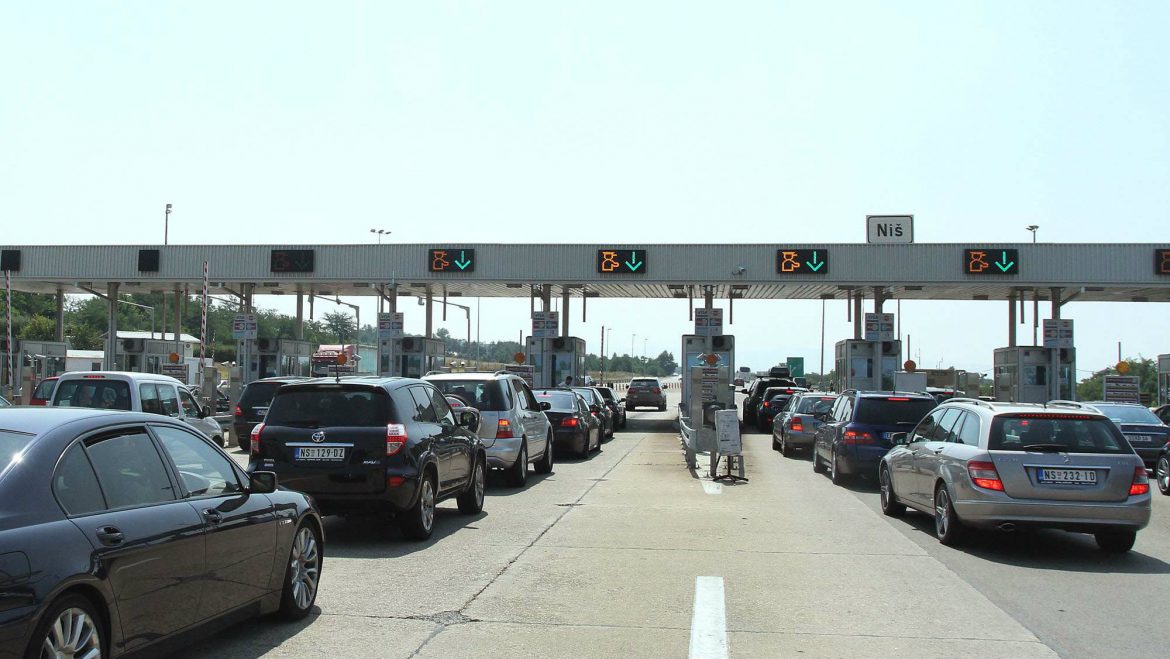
(466, 310)
(143, 306)
(1032, 228)
(632, 337)
(380, 232)
(167, 224)
(644, 342)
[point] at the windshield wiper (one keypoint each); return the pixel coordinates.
(1047, 448)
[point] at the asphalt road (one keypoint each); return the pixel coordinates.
(628, 553)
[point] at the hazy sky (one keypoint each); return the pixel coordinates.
(769, 122)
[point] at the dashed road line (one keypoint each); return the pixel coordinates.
(709, 621)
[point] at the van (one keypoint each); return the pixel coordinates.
(135, 392)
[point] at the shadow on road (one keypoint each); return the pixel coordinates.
(636, 424)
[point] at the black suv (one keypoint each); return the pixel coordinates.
(253, 405)
(856, 432)
(616, 405)
(369, 444)
(755, 396)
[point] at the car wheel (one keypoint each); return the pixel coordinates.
(244, 444)
(471, 501)
(419, 522)
(1162, 475)
(947, 526)
(518, 472)
(661, 408)
(586, 445)
(835, 474)
(775, 443)
(545, 466)
(220, 441)
(818, 466)
(1115, 542)
(890, 505)
(785, 447)
(70, 628)
(303, 573)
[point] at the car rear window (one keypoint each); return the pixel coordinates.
(644, 382)
(815, 404)
(1127, 414)
(560, 401)
(320, 406)
(893, 410)
(591, 396)
(96, 393)
(44, 389)
(258, 394)
(1065, 433)
(11, 444)
(606, 393)
(483, 395)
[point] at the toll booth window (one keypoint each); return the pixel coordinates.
(1035, 376)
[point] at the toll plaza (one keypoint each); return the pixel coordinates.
(1020, 279)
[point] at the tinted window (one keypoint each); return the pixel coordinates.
(130, 471)
(1128, 414)
(442, 410)
(75, 484)
(110, 394)
(148, 394)
(969, 433)
(892, 411)
(927, 428)
(1068, 433)
(258, 394)
(560, 401)
(330, 405)
(11, 443)
(169, 399)
(485, 395)
(203, 470)
(644, 382)
(606, 393)
(423, 411)
(945, 429)
(591, 397)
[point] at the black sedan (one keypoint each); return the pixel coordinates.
(120, 529)
(599, 409)
(572, 422)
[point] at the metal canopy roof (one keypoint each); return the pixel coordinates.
(1093, 272)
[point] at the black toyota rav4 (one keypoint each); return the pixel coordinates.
(373, 445)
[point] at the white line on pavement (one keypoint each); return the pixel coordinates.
(712, 488)
(709, 622)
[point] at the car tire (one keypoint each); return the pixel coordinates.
(419, 522)
(586, 448)
(785, 447)
(72, 610)
(661, 408)
(1162, 475)
(835, 474)
(545, 466)
(818, 466)
(471, 501)
(889, 500)
(947, 525)
(775, 443)
(518, 472)
(303, 575)
(1115, 541)
(244, 444)
(220, 441)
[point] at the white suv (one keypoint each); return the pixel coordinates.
(513, 427)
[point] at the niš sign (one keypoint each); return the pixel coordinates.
(889, 229)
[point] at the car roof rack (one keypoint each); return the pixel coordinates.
(1069, 403)
(965, 400)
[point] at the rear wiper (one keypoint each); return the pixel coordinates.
(1047, 448)
(308, 423)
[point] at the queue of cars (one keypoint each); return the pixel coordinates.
(123, 523)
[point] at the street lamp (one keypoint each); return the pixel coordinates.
(1032, 228)
(380, 232)
(466, 309)
(167, 224)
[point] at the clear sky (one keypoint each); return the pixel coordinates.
(756, 122)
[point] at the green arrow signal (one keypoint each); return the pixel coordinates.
(814, 264)
(463, 261)
(636, 263)
(1003, 263)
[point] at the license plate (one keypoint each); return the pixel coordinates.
(886, 435)
(1142, 439)
(320, 453)
(1067, 476)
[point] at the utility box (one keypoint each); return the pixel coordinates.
(867, 365)
(694, 348)
(553, 359)
(1024, 374)
(907, 381)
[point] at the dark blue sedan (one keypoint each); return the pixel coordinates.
(119, 529)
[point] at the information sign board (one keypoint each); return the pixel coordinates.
(177, 371)
(889, 229)
(1058, 333)
(622, 262)
(879, 327)
(708, 322)
(991, 261)
(245, 326)
(390, 325)
(1121, 389)
(451, 259)
(546, 324)
(796, 367)
(802, 261)
(727, 437)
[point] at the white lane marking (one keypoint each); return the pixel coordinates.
(712, 488)
(709, 622)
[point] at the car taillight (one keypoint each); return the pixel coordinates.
(239, 412)
(395, 438)
(570, 422)
(854, 437)
(1141, 482)
(983, 474)
(657, 390)
(254, 445)
(504, 429)
(796, 424)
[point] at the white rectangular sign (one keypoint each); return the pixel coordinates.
(879, 327)
(546, 324)
(708, 322)
(245, 326)
(727, 437)
(1058, 333)
(390, 325)
(889, 229)
(1121, 389)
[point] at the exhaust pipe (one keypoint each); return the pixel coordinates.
(1006, 526)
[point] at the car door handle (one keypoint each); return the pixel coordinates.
(938, 450)
(212, 516)
(110, 536)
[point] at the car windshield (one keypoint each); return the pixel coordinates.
(259, 394)
(11, 444)
(815, 404)
(1065, 433)
(591, 396)
(559, 401)
(484, 395)
(322, 406)
(1129, 414)
(893, 410)
(96, 393)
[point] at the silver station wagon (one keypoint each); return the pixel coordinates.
(975, 464)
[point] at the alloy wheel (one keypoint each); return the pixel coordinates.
(427, 504)
(942, 512)
(73, 634)
(1162, 473)
(305, 567)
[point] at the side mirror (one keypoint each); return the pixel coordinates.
(900, 438)
(469, 419)
(545, 406)
(621, 400)
(743, 391)
(262, 482)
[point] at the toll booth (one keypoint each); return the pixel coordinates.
(867, 365)
(707, 370)
(274, 357)
(1163, 379)
(416, 356)
(1023, 374)
(555, 358)
(34, 361)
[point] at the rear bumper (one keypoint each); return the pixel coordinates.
(569, 438)
(798, 439)
(393, 499)
(1133, 514)
(503, 452)
(861, 459)
(645, 401)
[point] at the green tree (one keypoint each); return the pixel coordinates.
(38, 328)
(84, 337)
(1092, 387)
(340, 325)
